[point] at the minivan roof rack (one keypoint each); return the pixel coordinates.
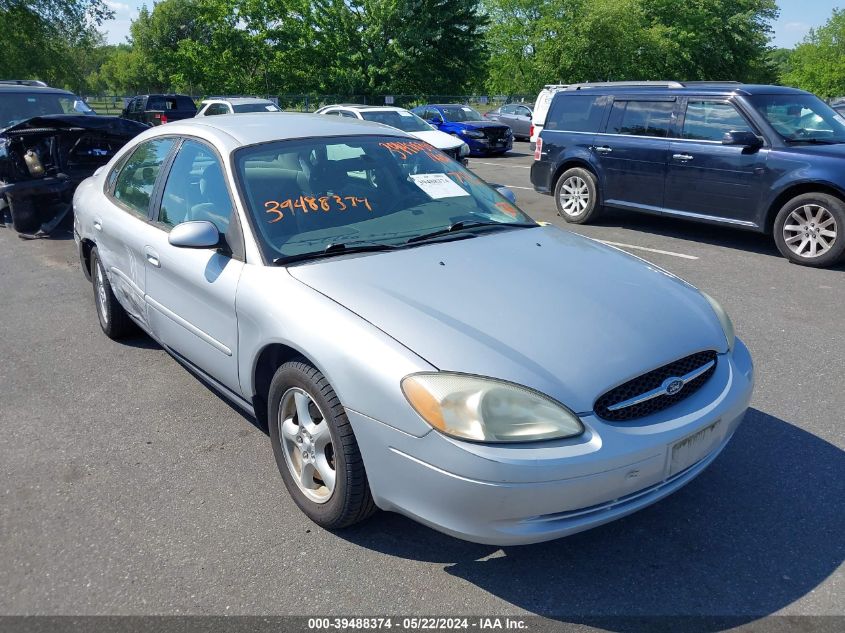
(712, 83)
(24, 82)
(626, 84)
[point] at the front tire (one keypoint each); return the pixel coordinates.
(114, 321)
(315, 448)
(809, 230)
(576, 196)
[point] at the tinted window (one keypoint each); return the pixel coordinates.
(459, 114)
(641, 118)
(575, 113)
(256, 107)
(217, 108)
(507, 109)
(196, 189)
(136, 180)
(523, 111)
(801, 118)
(709, 120)
(402, 119)
(17, 107)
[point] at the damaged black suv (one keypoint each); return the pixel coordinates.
(50, 140)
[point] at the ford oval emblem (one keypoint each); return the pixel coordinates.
(674, 386)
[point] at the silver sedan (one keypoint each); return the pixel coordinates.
(411, 339)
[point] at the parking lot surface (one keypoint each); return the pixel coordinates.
(128, 487)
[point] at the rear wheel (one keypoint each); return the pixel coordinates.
(315, 448)
(114, 320)
(808, 230)
(576, 196)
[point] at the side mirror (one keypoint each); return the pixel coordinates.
(507, 192)
(743, 139)
(199, 234)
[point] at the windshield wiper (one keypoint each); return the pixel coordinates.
(334, 249)
(814, 141)
(463, 226)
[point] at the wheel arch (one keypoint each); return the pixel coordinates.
(570, 163)
(269, 359)
(795, 190)
(85, 247)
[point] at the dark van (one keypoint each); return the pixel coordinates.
(762, 158)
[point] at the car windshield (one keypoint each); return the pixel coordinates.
(305, 196)
(460, 113)
(16, 107)
(801, 118)
(256, 107)
(402, 119)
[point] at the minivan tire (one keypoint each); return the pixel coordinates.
(811, 223)
(577, 196)
(348, 500)
(114, 320)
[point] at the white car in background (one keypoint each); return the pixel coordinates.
(236, 105)
(406, 121)
(541, 108)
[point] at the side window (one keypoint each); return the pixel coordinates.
(348, 115)
(523, 111)
(137, 177)
(575, 113)
(709, 120)
(507, 109)
(641, 118)
(215, 108)
(196, 189)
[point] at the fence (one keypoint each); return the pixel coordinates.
(113, 104)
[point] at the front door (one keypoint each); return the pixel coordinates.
(706, 178)
(190, 293)
(632, 152)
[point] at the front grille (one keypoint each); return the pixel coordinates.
(653, 380)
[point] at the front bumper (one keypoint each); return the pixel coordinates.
(483, 146)
(519, 494)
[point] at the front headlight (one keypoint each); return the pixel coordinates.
(464, 150)
(724, 319)
(473, 134)
(487, 410)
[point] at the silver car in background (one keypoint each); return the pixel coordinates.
(411, 339)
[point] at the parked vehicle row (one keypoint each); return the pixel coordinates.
(483, 137)
(762, 158)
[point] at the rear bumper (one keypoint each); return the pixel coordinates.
(511, 495)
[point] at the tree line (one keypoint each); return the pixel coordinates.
(426, 47)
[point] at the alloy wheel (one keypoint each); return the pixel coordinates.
(307, 445)
(574, 196)
(810, 231)
(102, 297)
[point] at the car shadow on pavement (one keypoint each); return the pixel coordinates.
(694, 232)
(761, 528)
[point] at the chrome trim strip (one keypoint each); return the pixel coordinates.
(193, 329)
(661, 390)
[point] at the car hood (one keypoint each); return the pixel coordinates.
(113, 126)
(832, 151)
(479, 125)
(439, 139)
(540, 307)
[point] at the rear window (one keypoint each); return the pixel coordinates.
(641, 118)
(171, 103)
(575, 113)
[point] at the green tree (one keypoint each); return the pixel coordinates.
(818, 63)
(45, 39)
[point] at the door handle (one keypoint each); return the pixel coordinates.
(98, 224)
(152, 257)
(683, 157)
(604, 149)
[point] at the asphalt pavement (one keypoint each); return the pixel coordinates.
(128, 487)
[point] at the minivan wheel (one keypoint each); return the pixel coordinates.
(808, 230)
(114, 321)
(576, 196)
(315, 448)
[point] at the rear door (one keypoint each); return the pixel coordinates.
(190, 293)
(632, 152)
(706, 178)
(123, 222)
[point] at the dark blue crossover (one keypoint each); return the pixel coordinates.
(762, 158)
(483, 137)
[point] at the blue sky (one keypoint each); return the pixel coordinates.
(796, 18)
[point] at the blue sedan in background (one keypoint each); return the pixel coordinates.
(483, 137)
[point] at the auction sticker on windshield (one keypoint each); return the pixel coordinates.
(438, 186)
(694, 448)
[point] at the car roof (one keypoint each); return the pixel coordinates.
(251, 129)
(237, 100)
(30, 89)
(676, 88)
